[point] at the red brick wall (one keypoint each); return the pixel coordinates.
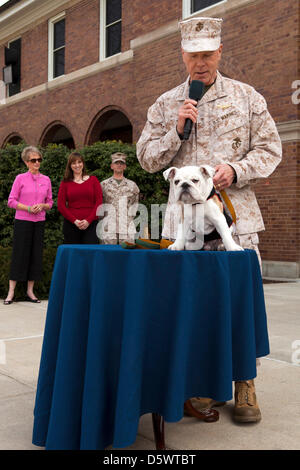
(149, 16)
(34, 59)
(279, 200)
(82, 35)
(262, 40)
(153, 74)
(261, 47)
(75, 105)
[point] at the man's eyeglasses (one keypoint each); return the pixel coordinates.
(34, 160)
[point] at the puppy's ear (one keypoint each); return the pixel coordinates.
(170, 173)
(207, 170)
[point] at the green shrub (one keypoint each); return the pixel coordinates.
(11, 165)
(153, 190)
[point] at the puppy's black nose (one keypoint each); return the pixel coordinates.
(185, 185)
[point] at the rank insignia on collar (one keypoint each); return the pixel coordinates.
(236, 143)
(199, 26)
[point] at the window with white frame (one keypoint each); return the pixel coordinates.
(192, 6)
(110, 27)
(12, 57)
(56, 49)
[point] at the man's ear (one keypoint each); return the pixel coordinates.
(207, 170)
(170, 173)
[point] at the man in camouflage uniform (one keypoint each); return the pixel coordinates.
(233, 132)
(123, 196)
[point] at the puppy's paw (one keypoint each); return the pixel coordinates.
(235, 247)
(195, 245)
(176, 246)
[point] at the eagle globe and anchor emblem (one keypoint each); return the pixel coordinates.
(236, 143)
(199, 26)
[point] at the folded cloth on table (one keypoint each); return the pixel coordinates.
(146, 244)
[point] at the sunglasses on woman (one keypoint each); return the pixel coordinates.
(34, 160)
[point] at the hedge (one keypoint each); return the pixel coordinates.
(153, 190)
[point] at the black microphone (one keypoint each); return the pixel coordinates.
(195, 93)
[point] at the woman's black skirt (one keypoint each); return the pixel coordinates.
(27, 254)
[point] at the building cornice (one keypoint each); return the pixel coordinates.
(20, 18)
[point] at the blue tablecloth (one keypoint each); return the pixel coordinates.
(130, 332)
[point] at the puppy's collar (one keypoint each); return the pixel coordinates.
(212, 193)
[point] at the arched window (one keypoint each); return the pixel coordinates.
(57, 133)
(13, 139)
(110, 124)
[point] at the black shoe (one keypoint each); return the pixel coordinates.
(35, 301)
(7, 302)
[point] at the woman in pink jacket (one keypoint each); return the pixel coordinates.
(31, 197)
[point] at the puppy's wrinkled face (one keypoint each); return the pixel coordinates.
(192, 184)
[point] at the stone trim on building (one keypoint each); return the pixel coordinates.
(281, 270)
(289, 131)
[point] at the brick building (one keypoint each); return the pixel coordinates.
(87, 70)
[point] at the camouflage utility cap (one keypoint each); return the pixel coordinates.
(200, 34)
(118, 157)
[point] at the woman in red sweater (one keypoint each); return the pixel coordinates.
(79, 196)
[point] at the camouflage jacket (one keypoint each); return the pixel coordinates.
(122, 196)
(233, 126)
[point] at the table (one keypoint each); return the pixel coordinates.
(130, 332)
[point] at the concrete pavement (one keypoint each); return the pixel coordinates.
(277, 384)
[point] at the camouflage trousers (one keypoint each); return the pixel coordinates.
(249, 241)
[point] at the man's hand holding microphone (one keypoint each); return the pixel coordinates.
(187, 116)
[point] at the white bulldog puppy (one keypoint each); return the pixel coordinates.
(200, 213)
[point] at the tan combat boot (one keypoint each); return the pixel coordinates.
(246, 409)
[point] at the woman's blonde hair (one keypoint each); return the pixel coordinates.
(27, 151)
